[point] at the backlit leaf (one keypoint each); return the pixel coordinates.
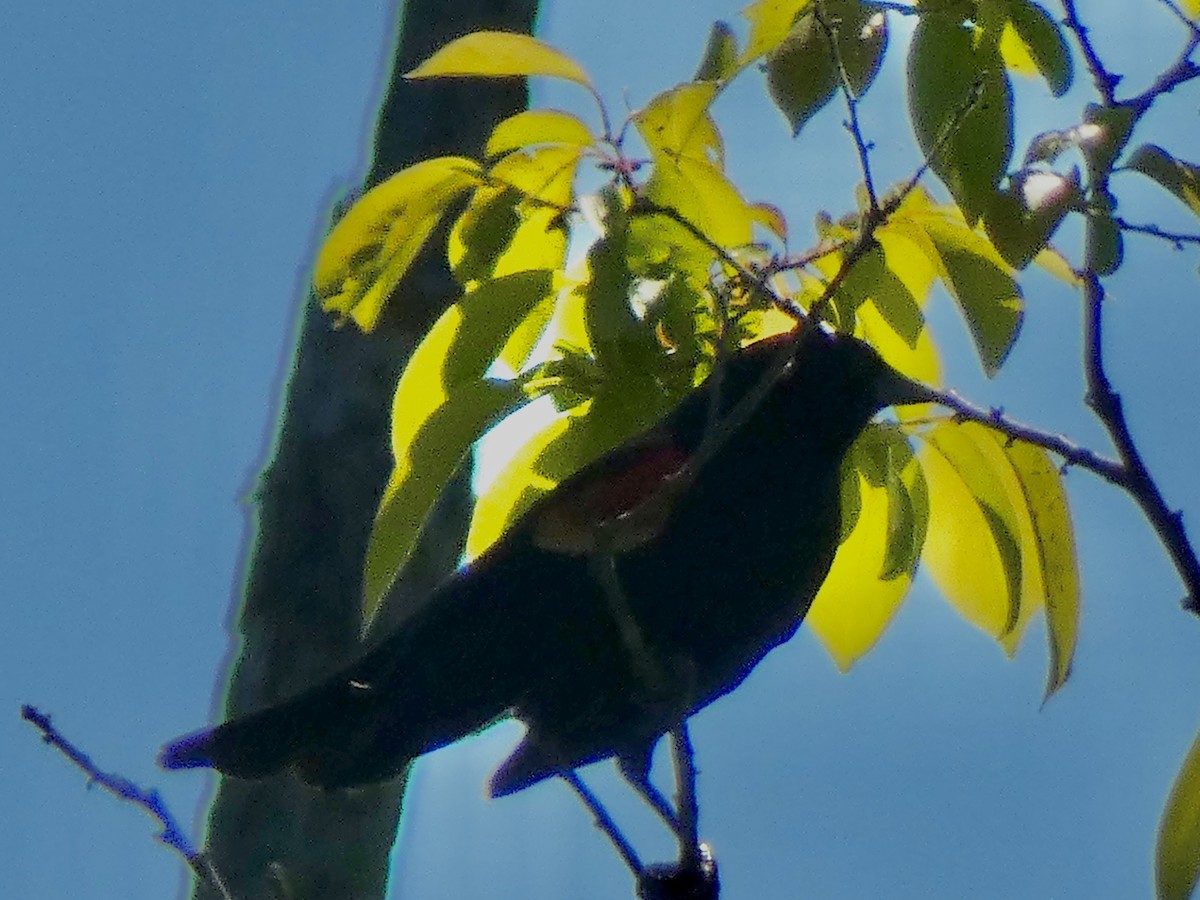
(500, 232)
(1177, 856)
(720, 60)
(440, 408)
(544, 174)
(373, 245)
(499, 54)
(972, 548)
(555, 453)
(852, 609)
(1046, 502)
(977, 278)
(770, 21)
(538, 126)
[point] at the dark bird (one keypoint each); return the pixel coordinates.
(642, 589)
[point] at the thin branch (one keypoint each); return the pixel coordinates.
(1176, 238)
(1179, 72)
(1106, 404)
(1071, 453)
(852, 125)
(1106, 82)
(124, 789)
(1181, 15)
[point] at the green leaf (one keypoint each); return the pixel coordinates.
(500, 54)
(802, 72)
(441, 406)
(373, 245)
(977, 278)
(623, 345)
(908, 507)
(872, 281)
(1111, 128)
(1105, 247)
(1180, 178)
(1177, 856)
(720, 60)
(1055, 558)
(960, 103)
(538, 126)
(1024, 215)
(1033, 43)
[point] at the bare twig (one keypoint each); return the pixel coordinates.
(124, 789)
(1179, 72)
(852, 125)
(1106, 82)
(1176, 238)
(1135, 479)
(1181, 15)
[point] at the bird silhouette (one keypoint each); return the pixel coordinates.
(639, 591)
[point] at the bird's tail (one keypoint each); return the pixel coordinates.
(323, 733)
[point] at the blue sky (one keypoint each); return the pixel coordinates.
(165, 174)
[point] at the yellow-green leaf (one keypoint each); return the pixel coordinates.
(1052, 261)
(1050, 516)
(1177, 856)
(373, 245)
(720, 60)
(972, 554)
(538, 126)
(440, 408)
(1180, 178)
(852, 609)
(977, 278)
(770, 21)
(500, 233)
(545, 175)
(499, 54)
(677, 123)
(960, 103)
(555, 453)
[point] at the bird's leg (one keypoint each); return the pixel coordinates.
(605, 822)
(690, 852)
(636, 772)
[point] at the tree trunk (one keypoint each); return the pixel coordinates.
(316, 499)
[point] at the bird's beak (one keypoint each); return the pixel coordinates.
(894, 389)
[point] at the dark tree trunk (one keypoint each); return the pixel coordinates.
(315, 501)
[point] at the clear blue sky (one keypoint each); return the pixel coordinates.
(165, 170)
